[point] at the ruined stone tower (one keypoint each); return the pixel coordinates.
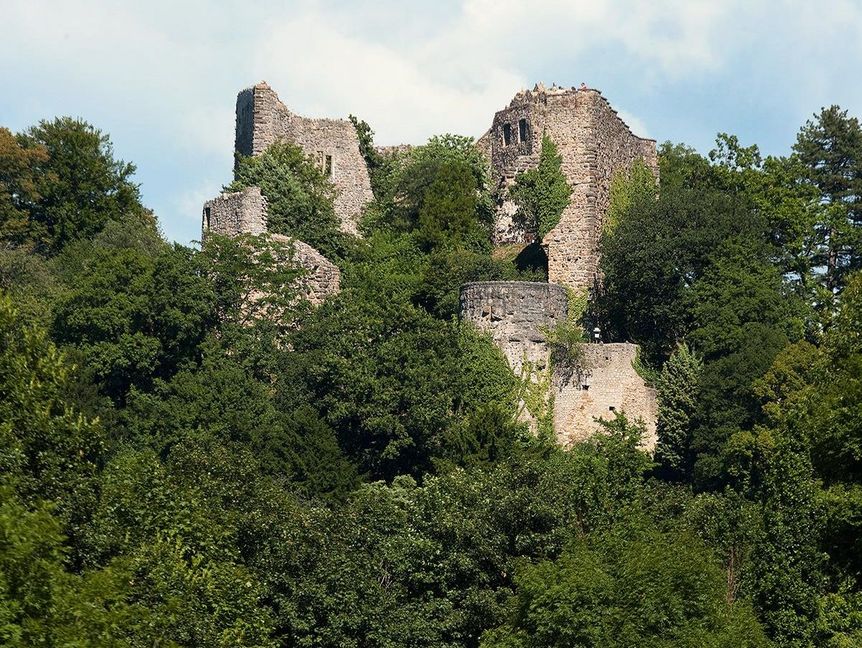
(261, 119)
(594, 144)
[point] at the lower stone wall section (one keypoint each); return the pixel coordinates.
(516, 313)
(607, 384)
(321, 277)
(244, 212)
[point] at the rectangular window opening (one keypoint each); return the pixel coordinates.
(328, 168)
(522, 130)
(507, 134)
(206, 217)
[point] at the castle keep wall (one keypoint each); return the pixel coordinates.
(607, 385)
(516, 314)
(608, 147)
(333, 144)
(594, 144)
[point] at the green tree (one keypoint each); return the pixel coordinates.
(81, 187)
(830, 148)
(49, 450)
(299, 196)
(440, 195)
(626, 588)
(678, 391)
(542, 193)
(19, 186)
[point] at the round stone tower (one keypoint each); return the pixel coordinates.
(516, 314)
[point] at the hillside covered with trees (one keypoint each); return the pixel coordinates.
(179, 468)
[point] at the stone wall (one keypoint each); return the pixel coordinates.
(244, 212)
(594, 144)
(608, 384)
(321, 277)
(241, 212)
(333, 144)
(516, 313)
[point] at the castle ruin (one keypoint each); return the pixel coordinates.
(594, 144)
(244, 212)
(262, 119)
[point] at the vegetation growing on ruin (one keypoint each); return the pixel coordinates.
(177, 469)
(542, 193)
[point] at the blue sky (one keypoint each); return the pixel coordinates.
(161, 77)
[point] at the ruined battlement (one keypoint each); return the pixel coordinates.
(333, 144)
(516, 314)
(594, 143)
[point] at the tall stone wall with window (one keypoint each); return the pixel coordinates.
(333, 144)
(594, 144)
(606, 384)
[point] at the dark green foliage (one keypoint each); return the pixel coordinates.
(439, 194)
(830, 148)
(392, 379)
(73, 185)
(631, 587)
(226, 497)
(135, 315)
(49, 450)
(678, 397)
(298, 194)
(542, 193)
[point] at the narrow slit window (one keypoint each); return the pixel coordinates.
(328, 168)
(522, 130)
(206, 217)
(507, 134)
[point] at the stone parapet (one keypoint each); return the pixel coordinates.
(516, 314)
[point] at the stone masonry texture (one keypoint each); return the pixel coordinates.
(244, 212)
(594, 144)
(516, 314)
(333, 144)
(608, 384)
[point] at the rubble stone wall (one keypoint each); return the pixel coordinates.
(244, 212)
(333, 144)
(516, 314)
(321, 277)
(608, 384)
(241, 212)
